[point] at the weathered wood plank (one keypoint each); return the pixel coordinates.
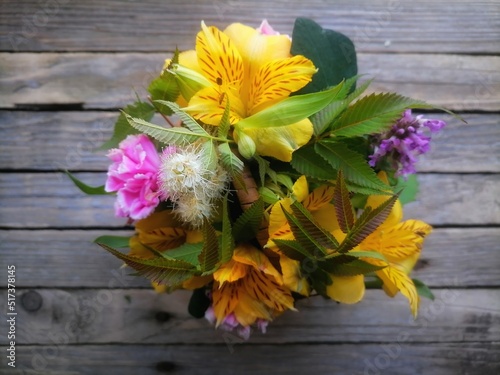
(67, 140)
(451, 257)
(106, 80)
(45, 200)
(134, 316)
(417, 26)
(398, 358)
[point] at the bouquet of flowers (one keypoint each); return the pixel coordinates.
(267, 177)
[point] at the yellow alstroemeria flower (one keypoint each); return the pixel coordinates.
(249, 287)
(253, 71)
(161, 231)
(318, 204)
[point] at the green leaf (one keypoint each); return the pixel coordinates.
(164, 88)
(225, 124)
(356, 267)
(354, 166)
(367, 223)
(293, 249)
(289, 111)
(90, 190)
(342, 203)
(367, 254)
(331, 52)
(144, 111)
(209, 256)
(227, 240)
(319, 279)
(210, 157)
(409, 189)
(423, 290)
(176, 136)
(188, 252)
(265, 169)
(306, 161)
(187, 120)
(268, 196)
(117, 242)
(248, 223)
(160, 270)
(199, 303)
(374, 113)
(231, 163)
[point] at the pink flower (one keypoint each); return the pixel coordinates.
(266, 29)
(133, 175)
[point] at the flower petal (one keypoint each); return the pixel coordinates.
(208, 105)
(346, 289)
(396, 280)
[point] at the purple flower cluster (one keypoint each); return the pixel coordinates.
(401, 145)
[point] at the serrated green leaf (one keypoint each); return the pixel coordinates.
(423, 290)
(225, 124)
(175, 136)
(186, 119)
(188, 252)
(265, 169)
(164, 88)
(367, 223)
(160, 270)
(231, 163)
(90, 190)
(331, 52)
(227, 240)
(356, 267)
(306, 161)
(319, 279)
(342, 203)
(321, 235)
(374, 113)
(209, 256)
(368, 254)
(293, 249)
(210, 157)
(353, 165)
(117, 242)
(122, 127)
(248, 223)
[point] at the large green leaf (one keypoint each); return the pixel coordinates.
(289, 111)
(227, 239)
(176, 136)
(231, 163)
(164, 88)
(331, 52)
(188, 121)
(160, 270)
(374, 113)
(293, 250)
(353, 165)
(119, 242)
(188, 252)
(90, 190)
(423, 290)
(141, 110)
(306, 161)
(408, 187)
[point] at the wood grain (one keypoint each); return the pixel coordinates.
(235, 358)
(67, 140)
(134, 316)
(105, 80)
(154, 25)
(45, 200)
(71, 259)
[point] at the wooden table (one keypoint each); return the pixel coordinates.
(65, 69)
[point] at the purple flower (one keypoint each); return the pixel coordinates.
(133, 175)
(231, 324)
(401, 145)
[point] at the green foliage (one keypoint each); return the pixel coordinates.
(186, 119)
(209, 256)
(354, 166)
(307, 162)
(118, 242)
(225, 124)
(89, 190)
(343, 205)
(248, 223)
(227, 239)
(408, 187)
(293, 249)
(423, 290)
(265, 169)
(170, 272)
(231, 163)
(175, 136)
(140, 110)
(188, 252)
(164, 88)
(331, 52)
(374, 113)
(353, 268)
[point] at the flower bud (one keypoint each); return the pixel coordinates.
(246, 145)
(189, 81)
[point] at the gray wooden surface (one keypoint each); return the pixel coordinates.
(65, 69)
